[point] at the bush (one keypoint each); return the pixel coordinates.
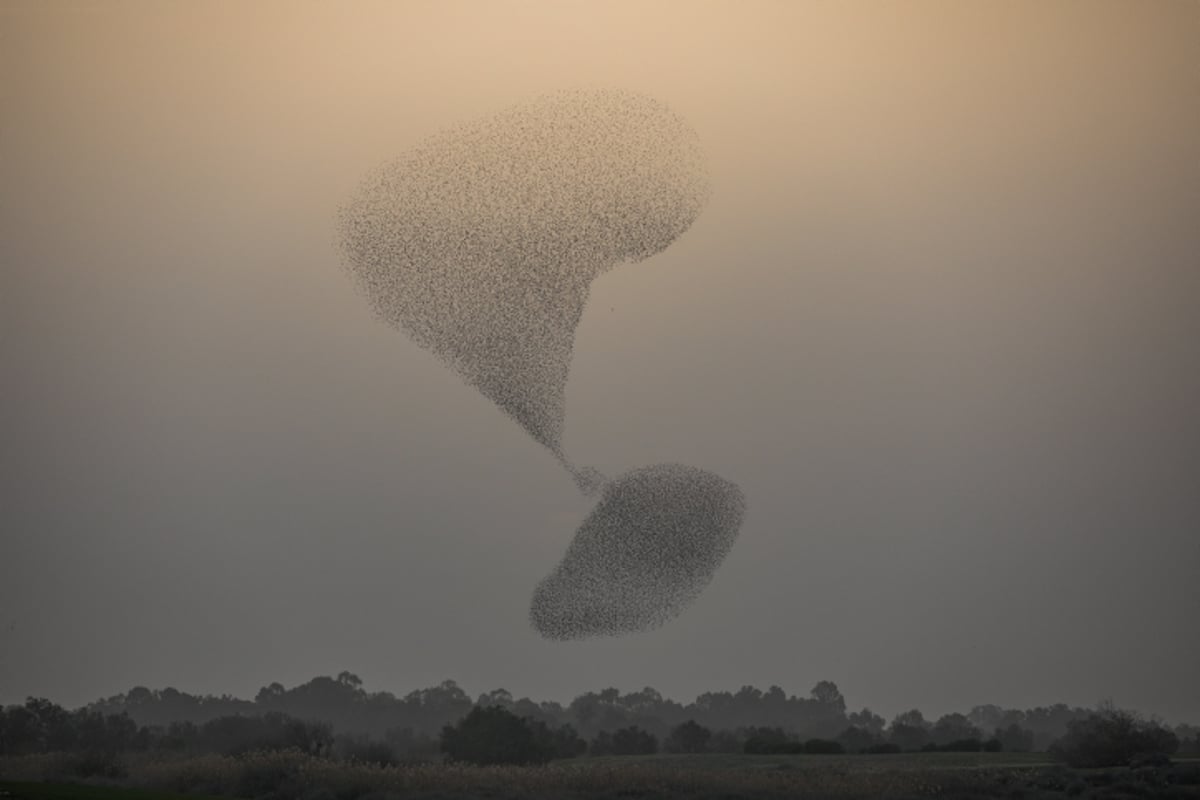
(266, 778)
(98, 764)
(494, 736)
(364, 750)
(1014, 739)
(1149, 760)
(857, 740)
(883, 748)
(561, 742)
(725, 742)
(601, 745)
(770, 741)
(412, 746)
(962, 746)
(633, 741)
(40, 726)
(1186, 774)
(908, 737)
(237, 734)
(823, 747)
(690, 737)
(1112, 738)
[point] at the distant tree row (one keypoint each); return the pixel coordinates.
(493, 735)
(40, 726)
(413, 722)
(489, 734)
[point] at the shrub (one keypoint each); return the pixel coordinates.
(412, 746)
(690, 737)
(365, 750)
(908, 737)
(1151, 760)
(857, 740)
(1111, 738)
(267, 778)
(633, 741)
(1186, 774)
(770, 741)
(1014, 739)
(237, 734)
(494, 736)
(98, 764)
(971, 745)
(823, 747)
(725, 742)
(601, 745)
(561, 742)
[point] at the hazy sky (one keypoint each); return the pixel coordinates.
(939, 321)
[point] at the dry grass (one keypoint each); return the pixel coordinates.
(279, 775)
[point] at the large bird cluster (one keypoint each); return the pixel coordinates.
(481, 244)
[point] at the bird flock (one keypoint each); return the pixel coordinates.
(481, 245)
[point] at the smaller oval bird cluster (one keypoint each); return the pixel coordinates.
(646, 551)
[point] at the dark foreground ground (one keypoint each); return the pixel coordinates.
(293, 776)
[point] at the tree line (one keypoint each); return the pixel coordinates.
(1106, 737)
(337, 716)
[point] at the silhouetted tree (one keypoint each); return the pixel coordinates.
(563, 741)
(1112, 737)
(827, 693)
(235, 734)
(1014, 739)
(349, 679)
(1189, 739)
(725, 742)
(988, 717)
(1049, 723)
(494, 735)
(909, 730)
(867, 720)
(601, 744)
(269, 694)
(496, 697)
(770, 741)
(953, 728)
(633, 741)
(343, 703)
(858, 740)
(412, 744)
(688, 737)
(364, 750)
(823, 747)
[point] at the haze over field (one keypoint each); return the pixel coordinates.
(937, 320)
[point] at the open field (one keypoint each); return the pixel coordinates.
(887, 762)
(77, 791)
(275, 776)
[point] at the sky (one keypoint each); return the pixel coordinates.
(937, 320)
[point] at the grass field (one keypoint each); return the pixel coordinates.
(887, 762)
(294, 776)
(76, 791)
